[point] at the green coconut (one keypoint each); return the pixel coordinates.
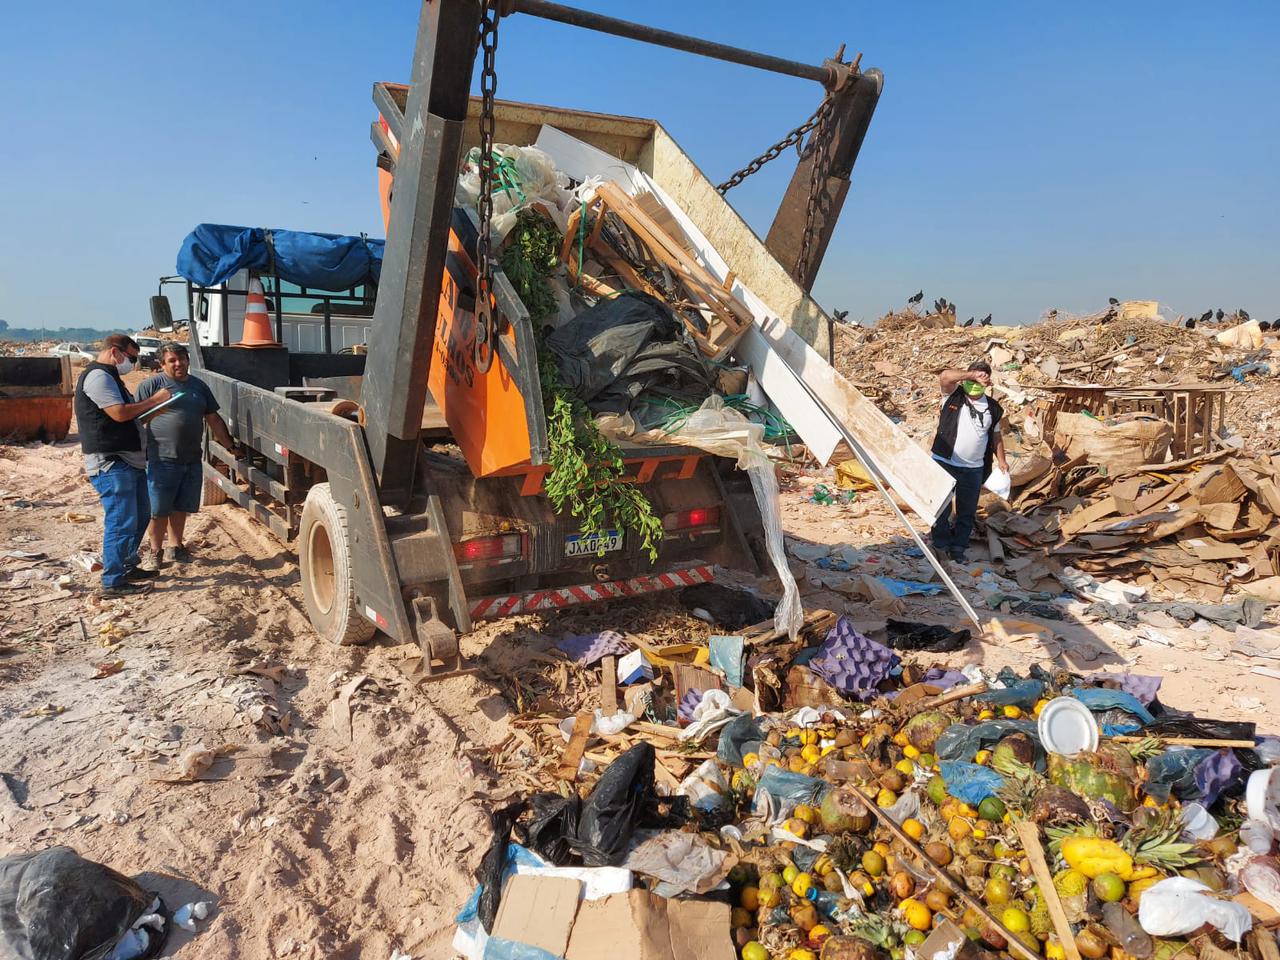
(924, 729)
(1108, 774)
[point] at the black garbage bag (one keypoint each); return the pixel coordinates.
(554, 824)
(56, 905)
(617, 803)
(626, 346)
(929, 637)
(489, 873)
(729, 609)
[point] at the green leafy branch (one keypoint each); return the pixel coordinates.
(587, 472)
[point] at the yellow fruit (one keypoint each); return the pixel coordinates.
(958, 828)
(770, 897)
(1139, 887)
(979, 833)
(866, 738)
(750, 900)
(811, 753)
(905, 767)
(983, 757)
(808, 737)
(910, 752)
(818, 933)
(739, 917)
(1012, 712)
(805, 812)
(798, 827)
(1053, 950)
(916, 914)
(1094, 856)
(1015, 920)
(796, 764)
(1143, 873)
(754, 950)
(986, 715)
(873, 863)
(900, 738)
(749, 760)
(829, 748)
(802, 953)
(789, 873)
(772, 762)
(967, 811)
(913, 828)
(881, 848)
(801, 884)
(886, 797)
(1040, 705)
(823, 865)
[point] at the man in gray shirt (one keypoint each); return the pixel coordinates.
(175, 451)
(114, 461)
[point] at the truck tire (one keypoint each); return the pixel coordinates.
(328, 582)
(212, 493)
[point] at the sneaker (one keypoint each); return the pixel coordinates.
(149, 564)
(140, 572)
(125, 590)
(178, 554)
(957, 556)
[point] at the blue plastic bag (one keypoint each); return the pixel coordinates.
(970, 782)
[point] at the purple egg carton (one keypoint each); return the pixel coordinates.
(688, 703)
(853, 664)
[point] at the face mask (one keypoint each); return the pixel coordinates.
(973, 388)
(124, 366)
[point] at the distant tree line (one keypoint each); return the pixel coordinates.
(82, 335)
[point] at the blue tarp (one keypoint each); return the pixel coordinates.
(213, 252)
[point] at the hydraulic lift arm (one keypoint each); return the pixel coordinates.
(422, 204)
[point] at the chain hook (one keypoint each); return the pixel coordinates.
(486, 330)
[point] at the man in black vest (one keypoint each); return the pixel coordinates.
(115, 460)
(967, 441)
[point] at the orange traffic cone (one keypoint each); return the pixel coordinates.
(257, 322)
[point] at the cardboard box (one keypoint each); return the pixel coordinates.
(634, 667)
(538, 911)
(639, 925)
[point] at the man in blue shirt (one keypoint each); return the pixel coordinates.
(175, 452)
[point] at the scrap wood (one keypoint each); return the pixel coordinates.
(609, 685)
(951, 696)
(571, 758)
(1189, 741)
(951, 883)
(340, 708)
(1029, 834)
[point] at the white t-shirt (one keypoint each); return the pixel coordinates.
(972, 430)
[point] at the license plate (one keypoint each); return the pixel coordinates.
(580, 545)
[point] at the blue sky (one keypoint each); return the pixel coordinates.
(1023, 156)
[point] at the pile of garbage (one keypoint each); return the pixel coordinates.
(823, 798)
(1124, 346)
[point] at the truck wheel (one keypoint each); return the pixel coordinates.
(328, 583)
(212, 493)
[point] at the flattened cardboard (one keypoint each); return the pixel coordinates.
(1090, 514)
(638, 925)
(1217, 483)
(1222, 516)
(1209, 550)
(538, 911)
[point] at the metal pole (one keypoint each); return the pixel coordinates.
(544, 9)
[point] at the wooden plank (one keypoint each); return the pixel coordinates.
(951, 883)
(609, 685)
(1029, 834)
(908, 468)
(1191, 742)
(577, 745)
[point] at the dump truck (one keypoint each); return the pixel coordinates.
(35, 398)
(396, 436)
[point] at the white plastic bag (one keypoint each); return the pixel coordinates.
(721, 430)
(999, 483)
(1179, 905)
(528, 175)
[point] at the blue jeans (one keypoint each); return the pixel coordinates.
(126, 513)
(953, 536)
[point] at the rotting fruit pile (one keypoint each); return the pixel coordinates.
(837, 883)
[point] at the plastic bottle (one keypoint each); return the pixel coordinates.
(1133, 939)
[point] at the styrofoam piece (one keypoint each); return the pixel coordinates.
(1067, 726)
(1262, 796)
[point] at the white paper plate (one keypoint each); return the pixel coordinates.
(1066, 726)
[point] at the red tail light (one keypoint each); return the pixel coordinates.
(692, 519)
(481, 549)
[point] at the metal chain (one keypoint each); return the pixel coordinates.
(792, 139)
(484, 204)
(819, 144)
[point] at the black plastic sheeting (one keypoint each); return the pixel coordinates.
(56, 905)
(929, 637)
(626, 347)
(729, 609)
